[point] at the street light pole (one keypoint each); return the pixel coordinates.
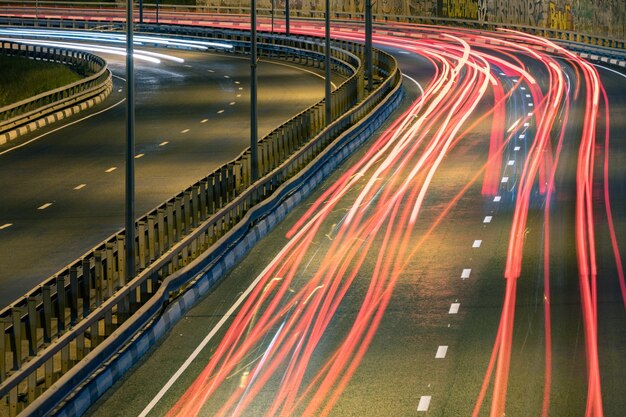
(327, 64)
(254, 158)
(287, 17)
(140, 11)
(273, 10)
(368, 43)
(130, 146)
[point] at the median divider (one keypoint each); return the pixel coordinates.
(206, 272)
(59, 333)
(51, 106)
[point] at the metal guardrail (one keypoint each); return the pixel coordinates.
(55, 326)
(99, 80)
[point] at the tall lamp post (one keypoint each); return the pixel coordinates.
(130, 146)
(368, 43)
(287, 17)
(327, 65)
(254, 158)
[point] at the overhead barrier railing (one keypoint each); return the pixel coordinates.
(49, 332)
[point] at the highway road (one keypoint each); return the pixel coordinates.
(62, 192)
(466, 261)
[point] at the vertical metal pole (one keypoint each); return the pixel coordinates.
(254, 157)
(157, 12)
(368, 43)
(130, 146)
(287, 17)
(140, 11)
(327, 64)
(273, 9)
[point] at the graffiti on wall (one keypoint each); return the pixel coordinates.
(561, 17)
(601, 17)
(458, 9)
(523, 12)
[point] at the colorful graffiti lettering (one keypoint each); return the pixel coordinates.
(561, 18)
(459, 9)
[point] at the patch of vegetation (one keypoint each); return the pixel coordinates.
(21, 78)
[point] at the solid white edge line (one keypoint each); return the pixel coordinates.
(61, 127)
(415, 81)
(208, 337)
(301, 69)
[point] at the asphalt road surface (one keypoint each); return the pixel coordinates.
(375, 299)
(63, 191)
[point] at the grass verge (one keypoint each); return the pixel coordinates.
(21, 78)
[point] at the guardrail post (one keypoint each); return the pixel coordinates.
(73, 295)
(86, 287)
(16, 337)
(110, 271)
(97, 255)
(161, 230)
(31, 326)
(170, 223)
(141, 237)
(5, 322)
(178, 208)
(203, 197)
(187, 212)
(46, 295)
(151, 239)
(121, 259)
(60, 281)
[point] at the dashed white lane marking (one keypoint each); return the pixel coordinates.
(528, 95)
(226, 76)
(141, 155)
(240, 88)
(188, 66)
(454, 308)
(441, 352)
(526, 124)
(220, 111)
(163, 143)
(530, 114)
(78, 187)
(237, 82)
(530, 104)
(504, 180)
(424, 403)
(523, 88)
(232, 103)
(517, 148)
(497, 199)
(210, 71)
(45, 206)
(238, 95)
(477, 243)
(204, 120)
(487, 219)
(119, 90)
(510, 163)
(6, 225)
(111, 169)
(184, 131)
(466, 273)
(522, 136)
